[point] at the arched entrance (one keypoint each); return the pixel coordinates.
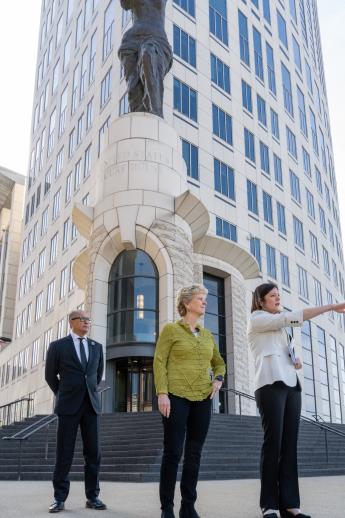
(132, 328)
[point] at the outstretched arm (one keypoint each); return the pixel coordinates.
(319, 310)
(126, 4)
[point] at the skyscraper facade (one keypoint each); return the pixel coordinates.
(247, 98)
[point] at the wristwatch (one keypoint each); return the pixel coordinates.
(220, 377)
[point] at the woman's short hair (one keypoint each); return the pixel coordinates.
(185, 295)
(260, 293)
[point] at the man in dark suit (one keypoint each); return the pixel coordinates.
(74, 368)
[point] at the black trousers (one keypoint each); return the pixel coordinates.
(188, 422)
(280, 409)
(67, 430)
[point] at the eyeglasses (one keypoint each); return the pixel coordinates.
(82, 319)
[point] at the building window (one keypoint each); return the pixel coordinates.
(92, 61)
(44, 221)
(308, 369)
(132, 299)
(89, 114)
(321, 338)
(59, 163)
(286, 80)
(318, 292)
(278, 172)
(244, 40)
(247, 97)
(255, 249)
(322, 220)
(314, 249)
(224, 179)
(63, 282)
(249, 145)
(284, 269)
(281, 218)
(75, 86)
(222, 124)
(252, 197)
(41, 263)
(302, 282)
(124, 105)
(71, 283)
(87, 161)
(109, 19)
(295, 187)
(184, 46)
(218, 20)
(309, 77)
(314, 132)
(282, 33)
(101, 135)
(77, 175)
(264, 158)
(50, 295)
(79, 28)
(51, 134)
(187, 5)
(65, 238)
(271, 69)
(190, 154)
(215, 319)
(310, 204)
(259, 69)
(326, 265)
(38, 306)
(63, 112)
(83, 73)
(266, 10)
(226, 229)
(220, 74)
(306, 162)
(297, 54)
(275, 124)
(301, 111)
(298, 232)
(271, 261)
(53, 248)
(261, 107)
(56, 205)
(318, 181)
(35, 352)
(106, 87)
(267, 204)
(66, 54)
(291, 142)
(185, 100)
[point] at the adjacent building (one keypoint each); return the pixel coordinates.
(247, 99)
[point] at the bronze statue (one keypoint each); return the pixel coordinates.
(146, 55)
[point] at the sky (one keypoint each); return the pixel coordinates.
(19, 26)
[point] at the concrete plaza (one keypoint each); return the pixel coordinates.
(321, 497)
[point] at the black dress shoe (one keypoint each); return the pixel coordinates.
(284, 513)
(168, 512)
(271, 515)
(56, 507)
(95, 503)
(188, 511)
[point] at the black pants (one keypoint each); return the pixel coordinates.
(67, 429)
(280, 409)
(190, 420)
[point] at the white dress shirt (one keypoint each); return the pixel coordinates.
(269, 341)
(76, 340)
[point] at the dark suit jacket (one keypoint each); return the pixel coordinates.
(68, 380)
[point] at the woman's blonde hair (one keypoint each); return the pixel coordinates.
(185, 295)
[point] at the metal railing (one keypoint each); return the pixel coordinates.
(29, 431)
(317, 421)
(240, 395)
(16, 410)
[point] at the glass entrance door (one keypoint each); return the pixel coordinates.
(134, 385)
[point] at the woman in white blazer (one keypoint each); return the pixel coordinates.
(278, 396)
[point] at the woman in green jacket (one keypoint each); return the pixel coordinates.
(186, 360)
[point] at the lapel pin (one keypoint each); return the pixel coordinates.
(92, 343)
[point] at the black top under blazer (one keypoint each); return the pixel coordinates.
(68, 380)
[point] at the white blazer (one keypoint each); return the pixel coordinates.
(268, 341)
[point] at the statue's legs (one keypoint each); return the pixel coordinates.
(135, 87)
(151, 71)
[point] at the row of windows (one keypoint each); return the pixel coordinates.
(44, 302)
(32, 355)
(302, 276)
